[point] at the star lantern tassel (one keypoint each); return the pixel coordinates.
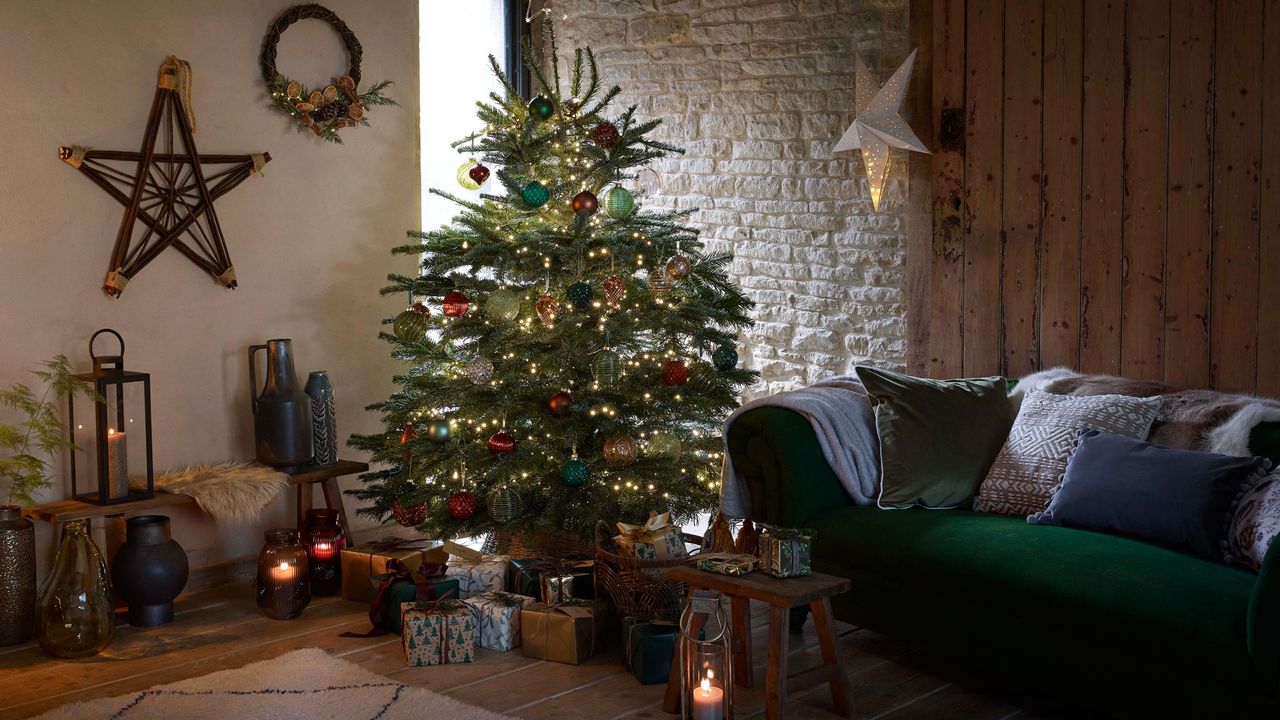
(878, 126)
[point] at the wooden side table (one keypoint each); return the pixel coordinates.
(781, 595)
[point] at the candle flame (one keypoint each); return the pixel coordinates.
(706, 685)
(284, 565)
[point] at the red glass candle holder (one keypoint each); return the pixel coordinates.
(324, 542)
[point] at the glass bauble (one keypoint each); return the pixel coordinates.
(679, 267)
(438, 431)
(503, 304)
(410, 516)
(615, 290)
(579, 294)
(619, 202)
(674, 372)
(410, 326)
(606, 368)
(541, 108)
(702, 377)
(76, 617)
(455, 304)
(547, 308)
(464, 175)
(663, 445)
(504, 505)
(479, 370)
(605, 135)
(585, 203)
(725, 358)
(462, 505)
(659, 282)
(501, 443)
(575, 473)
(620, 451)
(479, 174)
(535, 194)
(560, 404)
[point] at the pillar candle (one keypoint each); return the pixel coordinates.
(117, 465)
(708, 702)
(284, 573)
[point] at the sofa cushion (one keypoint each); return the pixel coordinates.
(1256, 523)
(937, 437)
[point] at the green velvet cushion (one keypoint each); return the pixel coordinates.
(937, 437)
(1264, 441)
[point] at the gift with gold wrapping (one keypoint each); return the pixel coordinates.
(368, 559)
(785, 552)
(727, 563)
(568, 633)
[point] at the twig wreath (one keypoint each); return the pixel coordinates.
(327, 110)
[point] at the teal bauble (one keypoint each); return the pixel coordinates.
(541, 108)
(725, 358)
(410, 326)
(438, 431)
(579, 294)
(503, 304)
(535, 194)
(606, 368)
(663, 445)
(575, 473)
(619, 202)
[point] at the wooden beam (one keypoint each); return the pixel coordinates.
(920, 194)
(1269, 238)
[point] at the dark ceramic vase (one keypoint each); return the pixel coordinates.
(149, 570)
(281, 411)
(17, 576)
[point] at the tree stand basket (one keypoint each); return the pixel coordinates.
(543, 542)
(638, 586)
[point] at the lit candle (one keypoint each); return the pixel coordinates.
(117, 464)
(284, 573)
(708, 701)
(322, 551)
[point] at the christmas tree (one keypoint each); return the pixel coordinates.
(568, 359)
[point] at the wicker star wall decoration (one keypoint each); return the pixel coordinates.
(167, 196)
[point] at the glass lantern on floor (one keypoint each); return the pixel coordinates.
(111, 433)
(324, 542)
(283, 587)
(704, 649)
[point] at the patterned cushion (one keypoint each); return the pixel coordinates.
(1257, 522)
(1032, 461)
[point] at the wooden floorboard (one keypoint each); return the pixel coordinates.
(221, 629)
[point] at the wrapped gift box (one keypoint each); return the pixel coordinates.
(524, 577)
(476, 573)
(385, 612)
(497, 616)
(656, 539)
(567, 581)
(568, 633)
(648, 646)
(436, 633)
(785, 552)
(364, 561)
(727, 563)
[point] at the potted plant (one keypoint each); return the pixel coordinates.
(27, 449)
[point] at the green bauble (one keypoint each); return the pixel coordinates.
(725, 358)
(702, 377)
(438, 431)
(619, 202)
(579, 294)
(663, 445)
(464, 175)
(410, 326)
(541, 108)
(606, 367)
(575, 473)
(503, 304)
(535, 194)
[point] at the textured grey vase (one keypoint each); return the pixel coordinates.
(282, 411)
(324, 420)
(17, 576)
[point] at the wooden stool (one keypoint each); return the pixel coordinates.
(781, 595)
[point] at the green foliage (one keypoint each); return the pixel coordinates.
(30, 445)
(497, 241)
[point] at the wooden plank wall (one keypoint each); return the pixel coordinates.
(1112, 202)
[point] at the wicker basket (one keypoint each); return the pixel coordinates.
(537, 543)
(631, 584)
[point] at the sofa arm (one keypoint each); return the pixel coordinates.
(776, 453)
(1264, 620)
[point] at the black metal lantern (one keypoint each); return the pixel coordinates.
(114, 435)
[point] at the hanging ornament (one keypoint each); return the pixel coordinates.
(585, 203)
(504, 505)
(674, 372)
(725, 358)
(702, 377)
(503, 304)
(663, 445)
(464, 175)
(579, 294)
(547, 308)
(605, 135)
(408, 516)
(541, 108)
(411, 325)
(479, 370)
(619, 202)
(479, 174)
(462, 505)
(620, 451)
(615, 290)
(679, 267)
(535, 194)
(575, 473)
(501, 443)
(606, 367)
(659, 282)
(406, 437)
(456, 304)
(438, 431)
(560, 404)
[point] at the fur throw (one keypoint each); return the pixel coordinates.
(1204, 420)
(230, 491)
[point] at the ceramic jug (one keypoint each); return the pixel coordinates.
(282, 411)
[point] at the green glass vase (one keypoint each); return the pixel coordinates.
(76, 617)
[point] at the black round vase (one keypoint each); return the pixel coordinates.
(149, 570)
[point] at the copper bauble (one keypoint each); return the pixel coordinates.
(560, 404)
(411, 516)
(621, 450)
(679, 267)
(547, 307)
(462, 505)
(501, 442)
(660, 282)
(585, 203)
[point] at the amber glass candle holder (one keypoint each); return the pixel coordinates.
(324, 542)
(283, 586)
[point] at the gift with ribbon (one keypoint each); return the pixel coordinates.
(391, 590)
(476, 573)
(364, 561)
(524, 576)
(497, 616)
(648, 644)
(727, 563)
(568, 633)
(567, 580)
(656, 539)
(785, 552)
(438, 632)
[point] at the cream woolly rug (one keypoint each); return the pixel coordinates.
(229, 492)
(304, 684)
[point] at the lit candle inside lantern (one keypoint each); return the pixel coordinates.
(323, 551)
(708, 701)
(117, 464)
(284, 573)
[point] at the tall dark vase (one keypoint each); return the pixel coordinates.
(17, 576)
(324, 420)
(149, 570)
(282, 411)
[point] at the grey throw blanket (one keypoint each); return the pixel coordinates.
(840, 411)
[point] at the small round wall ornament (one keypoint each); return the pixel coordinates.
(322, 110)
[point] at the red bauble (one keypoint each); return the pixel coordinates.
(462, 505)
(456, 304)
(606, 135)
(501, 442)
(675, 373)
(406, 437)
(615, 290)
(408, 516)
(559, 404)
(585, 203)
(421, 309)
(479, 173)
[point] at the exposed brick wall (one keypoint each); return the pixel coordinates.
(758, 92)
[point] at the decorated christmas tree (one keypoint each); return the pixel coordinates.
(569, 355)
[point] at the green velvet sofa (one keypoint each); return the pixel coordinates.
(1115, 625)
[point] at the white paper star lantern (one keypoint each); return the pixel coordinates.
(878, 126)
